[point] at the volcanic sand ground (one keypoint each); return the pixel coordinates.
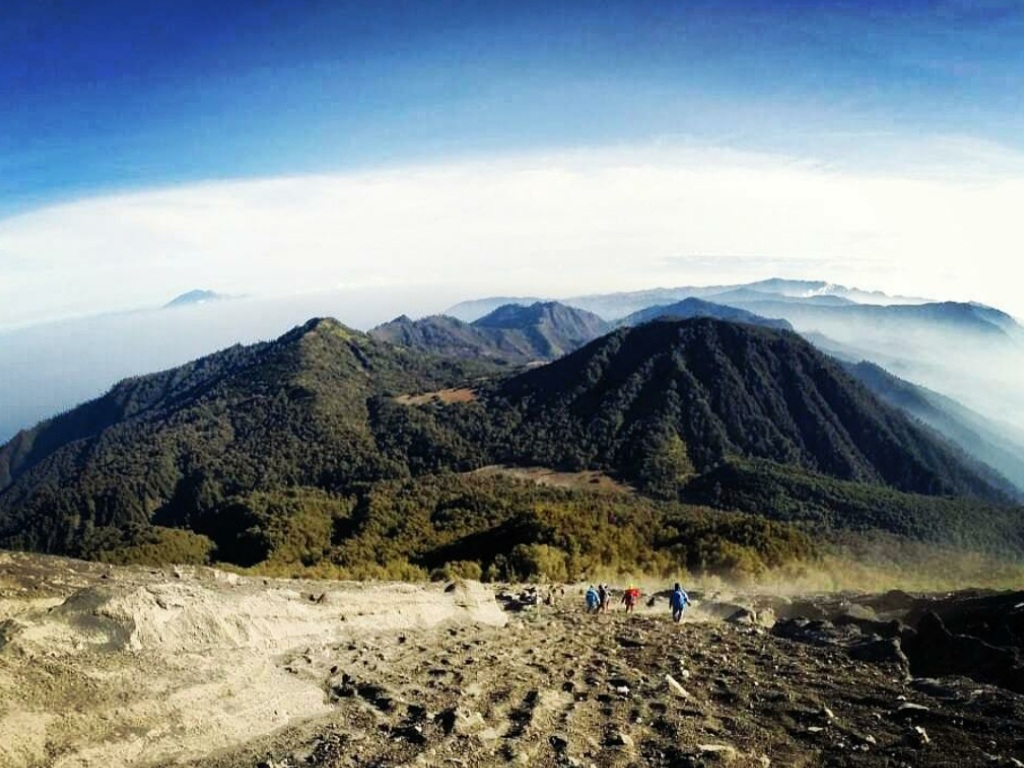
(107, 667)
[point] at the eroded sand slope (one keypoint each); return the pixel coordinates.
(108, 667)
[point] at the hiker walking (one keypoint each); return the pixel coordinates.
(592, 600)
(678, 600)
(603, 597)
(630, 598)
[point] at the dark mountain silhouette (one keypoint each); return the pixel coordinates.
(971, 353)
(693, 307)
(511, 334)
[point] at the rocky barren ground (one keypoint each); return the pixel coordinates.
(108, 667)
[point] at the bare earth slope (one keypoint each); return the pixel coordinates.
(146, 668)
(111, 667)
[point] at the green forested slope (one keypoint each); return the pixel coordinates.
(308, 450)
(669, 400)
(295, 412)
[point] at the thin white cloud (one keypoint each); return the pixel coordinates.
(552, 224)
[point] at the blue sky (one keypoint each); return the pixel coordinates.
(119, 97)
(120, 93)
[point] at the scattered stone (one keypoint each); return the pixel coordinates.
(676, 688)
(818, 632)
(934, 688)
(856, 611)
(742, 616)
(884, 629)
(411, 733)
(881, 651)
(864, 742)
(920, 735)
(619, 739)
(722, 753)
(908, 710)
(722, 610)
(559, 742)
(459, 721)
(629, 642)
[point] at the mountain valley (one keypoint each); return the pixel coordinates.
(472, 477)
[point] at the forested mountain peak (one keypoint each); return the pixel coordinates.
(542, 312)
(694, 307)
(511, 334)
(706, 390)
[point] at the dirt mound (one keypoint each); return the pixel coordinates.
(188, 616)
(145, 667)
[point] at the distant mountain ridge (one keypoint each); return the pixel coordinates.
(614, 306)
(968, 351)
(474, 309)
(511, 334)
(801, 302)
(693, 307)
(196, 296)
(979, 437)
(959, 316)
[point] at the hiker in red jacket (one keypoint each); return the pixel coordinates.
(630, 598)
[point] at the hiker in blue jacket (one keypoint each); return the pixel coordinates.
(592, 600)
(678, 600)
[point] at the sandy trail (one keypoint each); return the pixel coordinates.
(558, 687)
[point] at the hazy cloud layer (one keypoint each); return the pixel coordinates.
(551, 224)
